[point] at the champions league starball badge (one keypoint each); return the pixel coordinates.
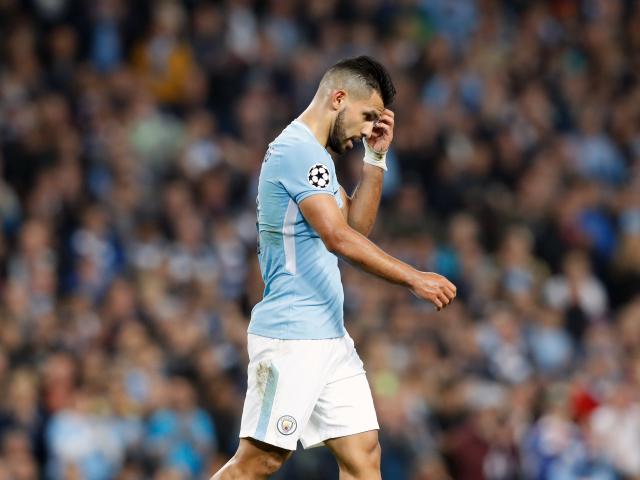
(319, 176)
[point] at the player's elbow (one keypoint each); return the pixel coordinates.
(332, 243)
(336, 241)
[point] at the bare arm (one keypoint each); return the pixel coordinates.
(323, 214)
(361, 209)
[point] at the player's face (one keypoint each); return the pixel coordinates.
(356, 120)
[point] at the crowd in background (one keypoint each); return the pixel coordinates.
(131, 137)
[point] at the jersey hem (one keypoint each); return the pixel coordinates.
(287, 337)
(301, 196)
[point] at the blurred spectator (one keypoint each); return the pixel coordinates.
(557, 448)
(577, 287)
(181, 435)
(164, 60)
(551, 345)
(504, 345)
(107, 42)
(483, 448)
(615, 427)
(80, 437)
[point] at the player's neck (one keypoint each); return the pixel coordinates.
(316, 120)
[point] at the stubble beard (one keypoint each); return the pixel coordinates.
(337, 136)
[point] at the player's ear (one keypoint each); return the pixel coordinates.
(338, 98)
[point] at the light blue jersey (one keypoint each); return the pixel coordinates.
(303, 296)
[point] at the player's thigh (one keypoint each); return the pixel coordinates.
(344, 408)
(357, 453)
(345, 405)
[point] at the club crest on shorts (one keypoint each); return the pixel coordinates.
(319, 176)
(287, 425)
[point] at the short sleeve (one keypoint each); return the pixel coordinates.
(338, 196)
(306, 170)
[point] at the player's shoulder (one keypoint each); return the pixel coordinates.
(296, 145)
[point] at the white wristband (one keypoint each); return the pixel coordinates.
(374, 158)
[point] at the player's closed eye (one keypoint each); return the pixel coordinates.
(368, 117)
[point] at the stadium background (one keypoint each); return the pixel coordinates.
(132, 134)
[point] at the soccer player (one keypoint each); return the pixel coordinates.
(305, 380)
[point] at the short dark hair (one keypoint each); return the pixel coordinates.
(371, 72)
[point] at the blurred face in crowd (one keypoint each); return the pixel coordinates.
(576, 266)
(356, 117)
(169, 18)
(182, 395)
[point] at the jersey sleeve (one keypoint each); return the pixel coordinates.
(305, 171)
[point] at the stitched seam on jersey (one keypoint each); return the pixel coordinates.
(288, 231)
(307, 130)
(267, 402)
(310, 133)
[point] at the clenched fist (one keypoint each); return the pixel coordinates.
(433, 288)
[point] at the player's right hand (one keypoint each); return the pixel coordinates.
(433, 288)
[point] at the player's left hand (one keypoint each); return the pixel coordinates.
(382, 134)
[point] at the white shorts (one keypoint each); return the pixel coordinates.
(307, 390)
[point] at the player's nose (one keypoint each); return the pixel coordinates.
(367, 131)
